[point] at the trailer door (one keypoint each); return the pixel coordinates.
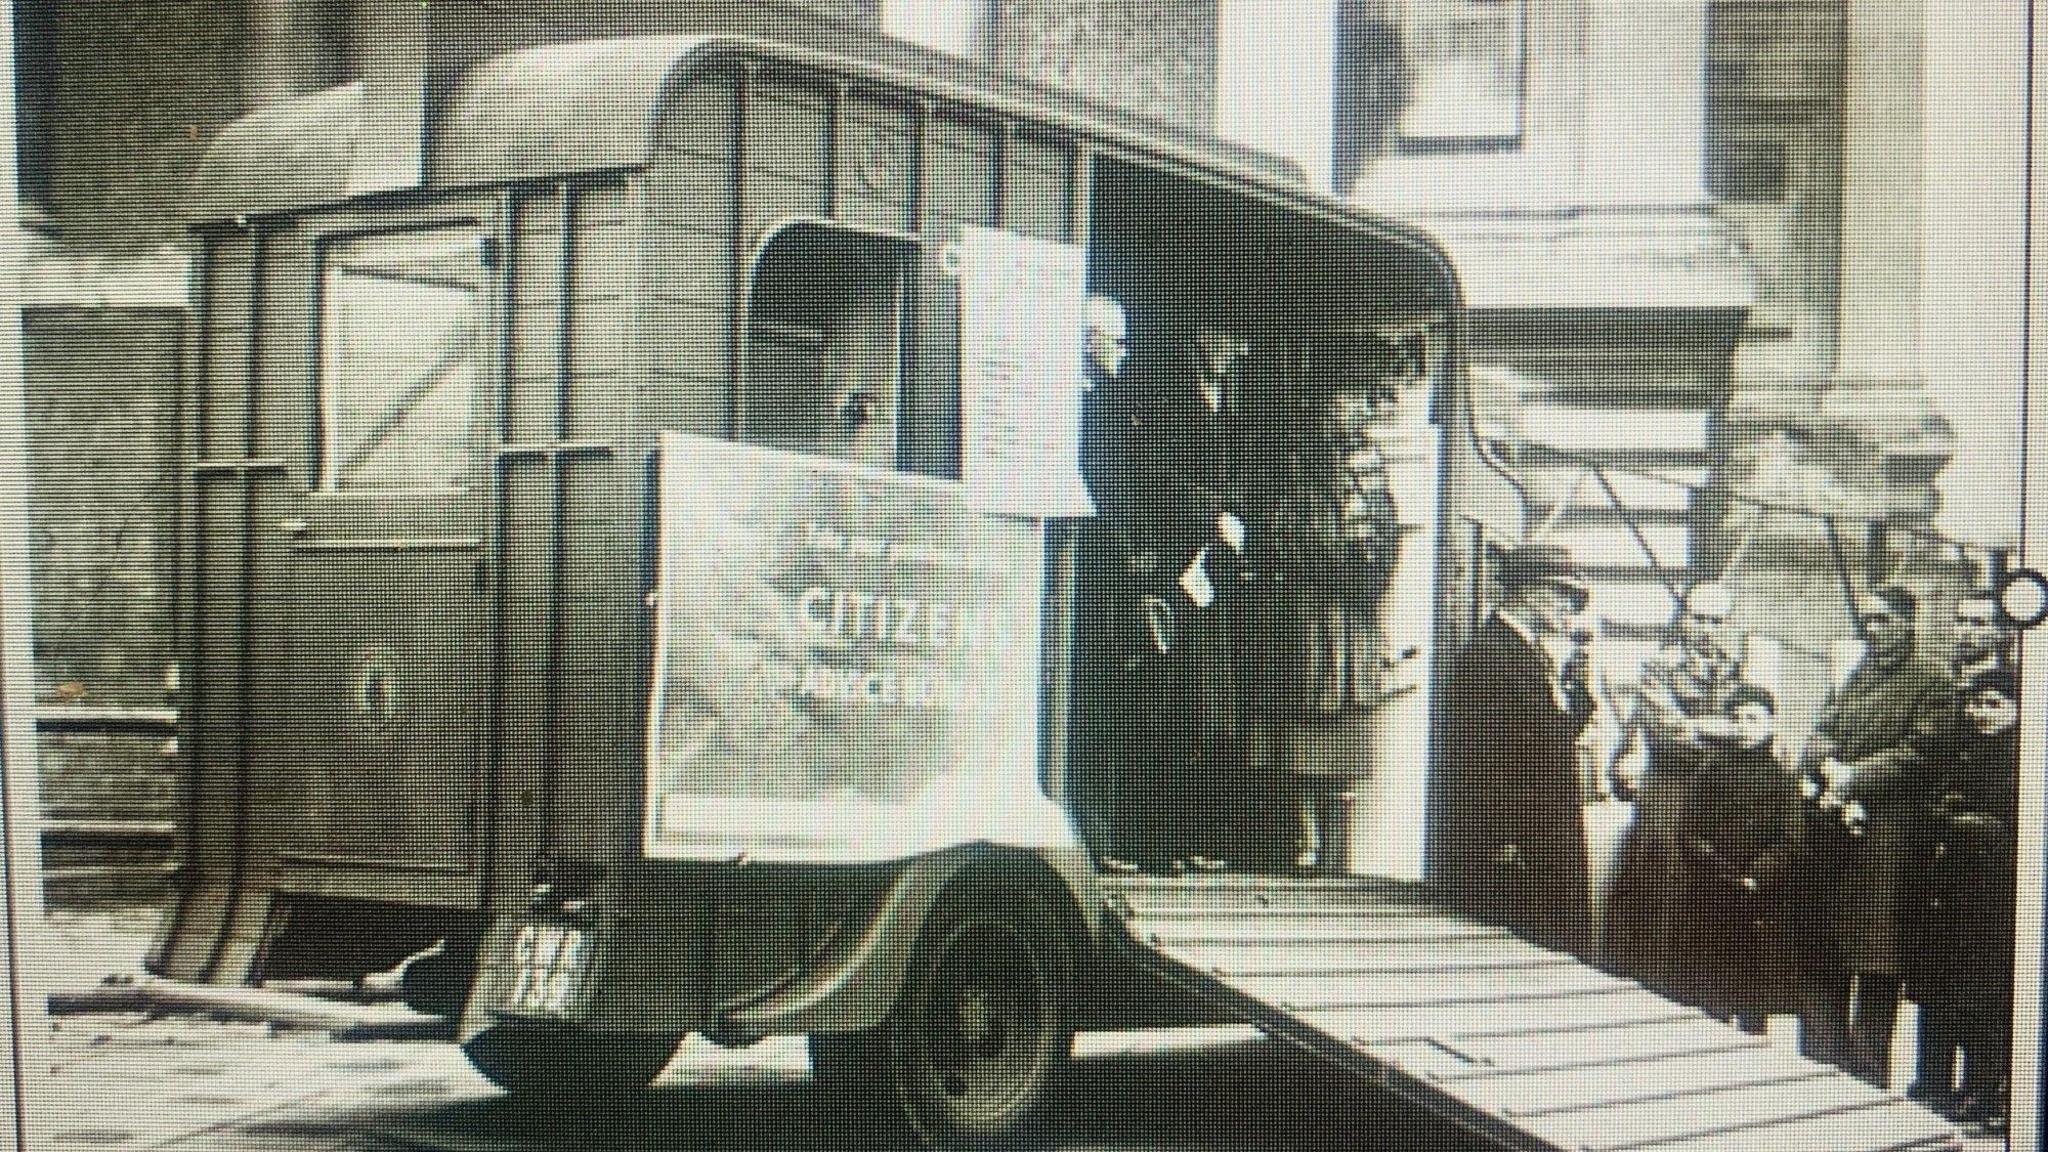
(379, 739)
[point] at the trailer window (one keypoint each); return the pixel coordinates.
(399, 314)
(824, 344)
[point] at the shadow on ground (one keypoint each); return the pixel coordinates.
(1251, 1093)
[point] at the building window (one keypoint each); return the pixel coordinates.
(1466, 63)
(399, 358)
(35, 91)
(824, 344)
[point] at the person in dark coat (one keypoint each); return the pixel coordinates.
(1868, 765)
(1196, 427)
(1739, 838)
(1507, 833)
(1158, 449)
(1960, 935)
(1113, 771)
(1333, 540)
(1681, 704)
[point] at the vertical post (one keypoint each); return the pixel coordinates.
(1876, 555)
(736, 334)
(558, 528)
(1056, 671)
(20, 802)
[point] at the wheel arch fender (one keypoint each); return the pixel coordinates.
(856, 982)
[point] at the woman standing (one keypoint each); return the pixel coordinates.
(1337, 536)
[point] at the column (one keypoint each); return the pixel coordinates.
(1273, 79)
(1970, 260)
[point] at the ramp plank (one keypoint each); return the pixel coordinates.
(1258, 959)
(1534, 1049)
(1334, 930)
(1676, 1077)
(1299, 993)
(1893, 1126)
(1618, 1044)
(1649, 1123)
(1560, 1016)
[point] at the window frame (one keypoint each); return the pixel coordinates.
(320, 480)
(1465, 142)
(908, 245)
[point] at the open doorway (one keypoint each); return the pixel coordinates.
(1235, 671)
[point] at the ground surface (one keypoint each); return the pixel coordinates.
(124, 1080)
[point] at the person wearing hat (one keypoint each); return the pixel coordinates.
(1158, 442)
(1870, 759)
(1507, 835)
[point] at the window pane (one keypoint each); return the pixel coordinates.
(823, 347)
(1466, 67)
(398, 358)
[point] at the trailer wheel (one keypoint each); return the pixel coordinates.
(551, 1062)
(984, 1024)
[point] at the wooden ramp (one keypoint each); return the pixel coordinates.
(1532, 1048)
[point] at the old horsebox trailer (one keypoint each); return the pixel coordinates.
(635, 569)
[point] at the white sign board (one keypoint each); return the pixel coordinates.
(1021, 318)
(846, 664)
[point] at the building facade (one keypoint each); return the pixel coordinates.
(1766, 250)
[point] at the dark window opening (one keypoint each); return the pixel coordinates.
(825, 345)
(35, 95)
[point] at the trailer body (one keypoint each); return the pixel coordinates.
(527, 378)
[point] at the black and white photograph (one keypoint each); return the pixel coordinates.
(1067, 575)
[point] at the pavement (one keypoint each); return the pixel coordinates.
(129, 1078)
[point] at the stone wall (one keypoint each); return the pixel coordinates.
(102, 419)
(1153, 57)
(129, 95)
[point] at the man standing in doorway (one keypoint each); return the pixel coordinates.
(1194, 436)
(1157, 451)
(1111, 771)
(1869, 758)
(1507, 827)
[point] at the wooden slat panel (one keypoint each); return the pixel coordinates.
(1510, 1056)
(1240, 911)
(1653, 1122)
(1296, 993)
(1237, 914)
(1671, 1078)
(1560, 1015)
(1607, 1043)
(786, 130)
(1892, 1127)
(1490, 953)
(1328, 930)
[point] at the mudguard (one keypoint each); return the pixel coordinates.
(856, 982)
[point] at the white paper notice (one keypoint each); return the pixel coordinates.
(1021, 317)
